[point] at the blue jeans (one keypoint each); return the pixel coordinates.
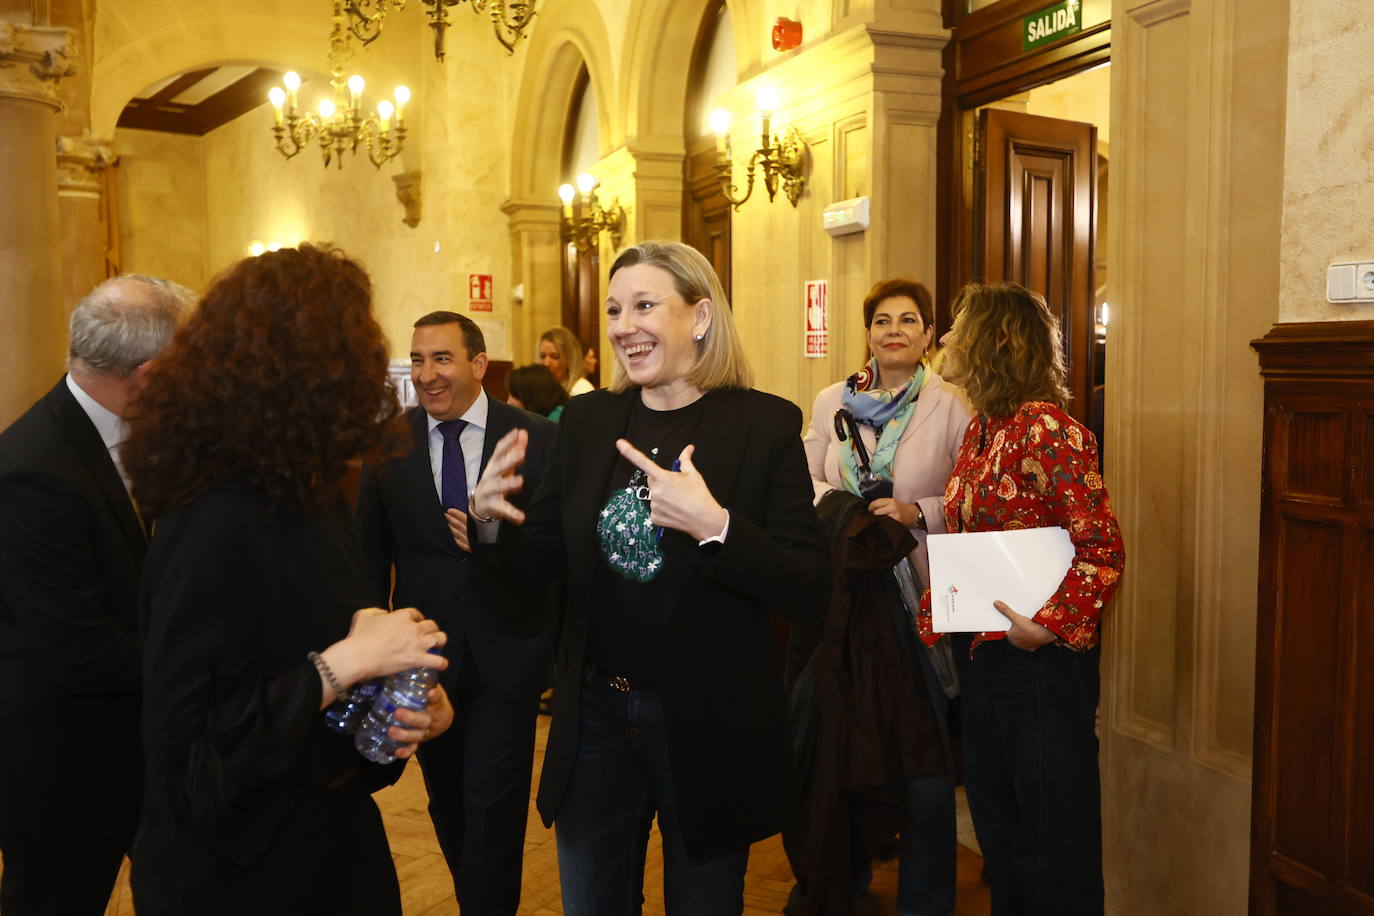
(927, 862)
(623, 776)
(1030, 769)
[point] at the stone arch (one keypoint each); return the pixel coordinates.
(659, 59)
(560, 47)
(154, 39)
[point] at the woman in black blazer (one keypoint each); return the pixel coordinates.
(241, 448)
(678, 506)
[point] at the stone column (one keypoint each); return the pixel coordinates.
(33, 59)
(535, 265)
(80, 160)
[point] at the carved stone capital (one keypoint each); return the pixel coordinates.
(33, 60)
(80, 160)
(408, 193)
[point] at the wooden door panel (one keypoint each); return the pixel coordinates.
(1305, 694)
(1035, 191)
(1359, 865)
(705, 211)
(1312, 839)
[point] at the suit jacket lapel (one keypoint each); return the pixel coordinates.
(96, 457)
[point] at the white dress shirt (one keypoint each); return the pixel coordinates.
(108, 424)
(471, 439)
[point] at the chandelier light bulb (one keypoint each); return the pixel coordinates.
(720, 122)
(565, 194)
(326, 109)
(767, 100)
(277, 96)
(256, 249)
(385, 110)
(355, 84)
(585, 183)
(292, 79)
(402, 95)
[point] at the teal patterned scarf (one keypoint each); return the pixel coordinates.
(888, 412)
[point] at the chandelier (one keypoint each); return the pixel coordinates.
(509, 18)
(339, 122)
(583, 217)
(781, 156)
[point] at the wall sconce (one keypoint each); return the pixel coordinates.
(782, 156)
(583, 217)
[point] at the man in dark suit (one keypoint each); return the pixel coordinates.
(412, 515)
(71, 548)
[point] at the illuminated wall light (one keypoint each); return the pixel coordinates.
(256, 248)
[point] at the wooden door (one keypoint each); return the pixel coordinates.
(1035, 188)
(705, 211)
(582, 299)
(1312, 837)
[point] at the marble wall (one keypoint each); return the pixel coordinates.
(1328, 163)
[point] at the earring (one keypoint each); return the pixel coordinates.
(700, 336)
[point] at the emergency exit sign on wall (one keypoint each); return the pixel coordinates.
(1051, 24)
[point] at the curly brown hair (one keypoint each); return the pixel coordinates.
(1004, 349)
(279, 375)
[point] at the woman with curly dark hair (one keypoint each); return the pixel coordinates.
(240, 448)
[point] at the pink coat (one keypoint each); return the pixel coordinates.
(923, 462)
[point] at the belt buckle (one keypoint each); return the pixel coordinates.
(619, 683)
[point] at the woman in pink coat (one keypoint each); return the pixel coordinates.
(910, 424)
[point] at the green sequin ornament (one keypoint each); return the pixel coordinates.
(628, 540)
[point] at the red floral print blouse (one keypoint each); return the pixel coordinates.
(1038, 469)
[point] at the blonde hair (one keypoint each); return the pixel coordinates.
(1005, 349)
(569, 352)
(720, 361)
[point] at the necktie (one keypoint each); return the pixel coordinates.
(453, 475)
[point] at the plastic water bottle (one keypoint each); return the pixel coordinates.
(346, 713)
(403, 690)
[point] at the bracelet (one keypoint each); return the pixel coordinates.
(486, 519)
(323, 667)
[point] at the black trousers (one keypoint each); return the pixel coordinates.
(59, 875)
(1030, 770)
(478, 778)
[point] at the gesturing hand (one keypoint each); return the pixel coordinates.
(499, 480)
(678, 499)
(1024, 633)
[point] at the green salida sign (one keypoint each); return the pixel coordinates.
(1051, 24)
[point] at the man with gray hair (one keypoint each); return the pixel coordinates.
(71, 550)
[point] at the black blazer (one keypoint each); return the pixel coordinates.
(70, 552)
(399, 521)
(723, 699)
(241, 766)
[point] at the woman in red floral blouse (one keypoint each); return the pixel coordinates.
(1030, 694)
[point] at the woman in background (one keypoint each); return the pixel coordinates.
(560, 350)
(911, 424)
(240, 447)
(535, 388)
(1029, 695)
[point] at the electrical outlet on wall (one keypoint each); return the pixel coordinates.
(1350, 281)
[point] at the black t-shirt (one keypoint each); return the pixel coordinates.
(625, 635)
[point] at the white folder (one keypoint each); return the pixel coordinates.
(969, 571)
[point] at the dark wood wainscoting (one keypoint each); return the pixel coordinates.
(1312, 828)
